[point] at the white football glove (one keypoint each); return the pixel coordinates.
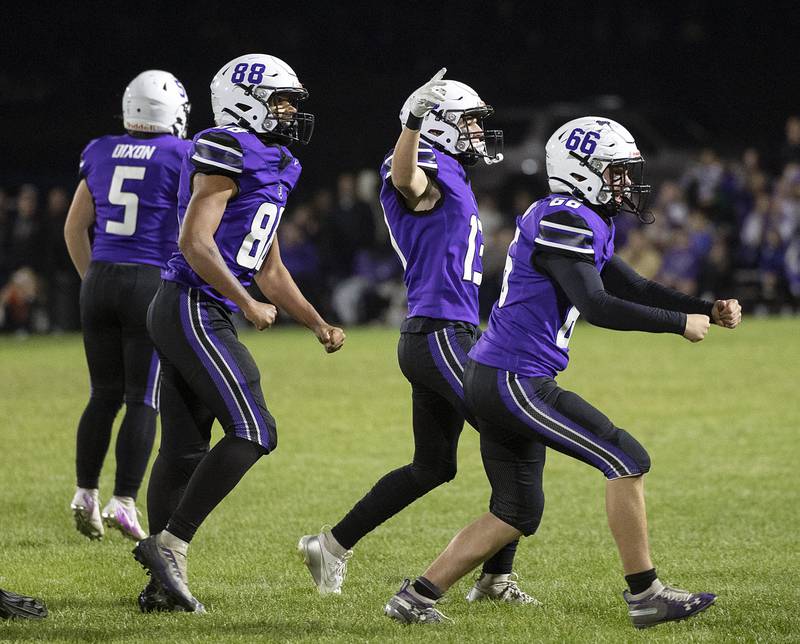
(429, 95)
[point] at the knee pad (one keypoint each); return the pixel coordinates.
(109, 399)
(429, 476)
(517, 495)
(522, 510)
(634, 449)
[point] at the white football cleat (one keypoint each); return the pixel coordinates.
(121, 513)
(85, 508)
(327, 570)
(500, 588)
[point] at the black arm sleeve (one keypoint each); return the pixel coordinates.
(584, 287)
(624, 282)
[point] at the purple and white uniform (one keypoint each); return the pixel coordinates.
(134, 182)
(532, 322)
(265, 174)
(190, 321)
(441, 250)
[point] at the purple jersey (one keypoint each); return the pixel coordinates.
(265, 174)
(532, 322)
(134, 185)
(440, 250)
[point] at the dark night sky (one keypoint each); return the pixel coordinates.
(734, 70)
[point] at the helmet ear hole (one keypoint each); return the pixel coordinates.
(243, 107)
(577, 177)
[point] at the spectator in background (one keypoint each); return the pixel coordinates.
(641, 254)
(20, 303)
(702, 180)
(701, 235)
(5, 235)
(300, 254)
(788, 202)
(671, 203)
(715, 270)
(349, 228)
(491, 217)
(752, 231)
(792, 269)
(771, 264)
(790, 151)
(25, 230)
(62, 287)
(680, 266)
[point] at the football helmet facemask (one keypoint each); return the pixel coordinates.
(156, 101)
(246, 91)
(596, 160)
(448, 125)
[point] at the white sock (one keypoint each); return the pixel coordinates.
(127, 501)
(331, 545)
(655, 587)
(169, 540)
(488, 579)
(421, 599)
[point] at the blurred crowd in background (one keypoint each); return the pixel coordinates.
(728, 227)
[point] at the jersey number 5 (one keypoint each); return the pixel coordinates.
(130, 200)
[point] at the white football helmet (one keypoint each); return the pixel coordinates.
(578, 154)
(241, 93)
(444, 127)
(156, 101)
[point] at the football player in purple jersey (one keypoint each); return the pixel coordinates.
(128, 196)
(561, 264)
(434, 226)
(233, 190)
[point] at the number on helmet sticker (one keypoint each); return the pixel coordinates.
(256, 73)
(564, 334)
(586, 141)
(130, 200)
(258, 241)
(471, 275)
(239, 72)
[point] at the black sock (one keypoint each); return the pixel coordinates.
(168, 480)
(427, 588)
(134, 444)
(216, 475)
(389, 495)
(94, 434)
(638, 582)
(502, 562)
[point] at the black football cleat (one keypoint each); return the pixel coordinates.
(19, 606)
(153, 599)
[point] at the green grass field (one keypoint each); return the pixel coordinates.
(720, 420)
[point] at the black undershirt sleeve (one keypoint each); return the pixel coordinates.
(583, 286)
(624, 282)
